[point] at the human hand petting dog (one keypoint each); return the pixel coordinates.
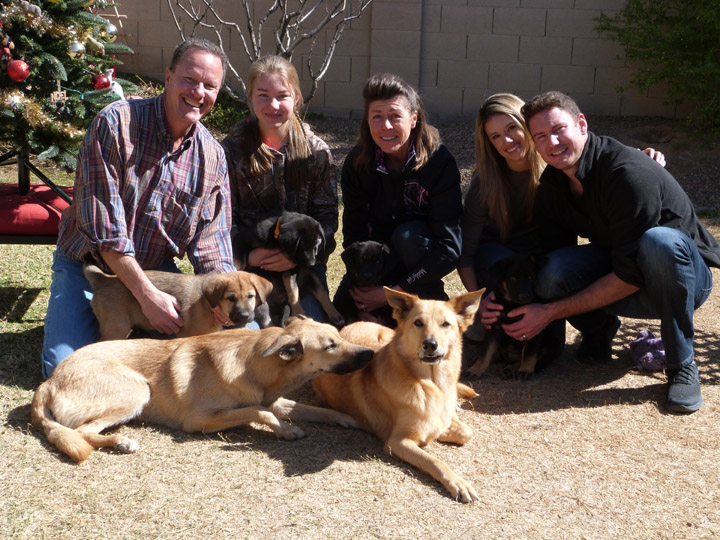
(535, 317)
(162, 310)
(270, 259)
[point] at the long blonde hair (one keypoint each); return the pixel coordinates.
(257, 156)
(491, 168)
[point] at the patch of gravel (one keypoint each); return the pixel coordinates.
(697, 168)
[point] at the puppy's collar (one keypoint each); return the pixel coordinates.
(277, 229)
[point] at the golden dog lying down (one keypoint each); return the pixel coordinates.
(204, 383)
(408, 393)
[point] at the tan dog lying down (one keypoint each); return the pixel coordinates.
(204, 383)
(237, 294)
(408, 393)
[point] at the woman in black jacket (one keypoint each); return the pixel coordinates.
(400, 187)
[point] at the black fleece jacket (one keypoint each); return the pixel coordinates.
(625, 193)
(376, 202)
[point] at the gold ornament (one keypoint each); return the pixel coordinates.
(97, 48)
(76, 50)
(109, 33)
(88, 3)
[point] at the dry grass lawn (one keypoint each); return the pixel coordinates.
(577, 452)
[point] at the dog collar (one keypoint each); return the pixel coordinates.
(277, 229)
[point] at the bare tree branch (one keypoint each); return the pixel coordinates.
(294, 22)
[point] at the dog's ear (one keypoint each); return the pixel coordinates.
(465, 306)
(263, 287)
(400, 302)
(287, 346)
(213, 288)
(349, 254)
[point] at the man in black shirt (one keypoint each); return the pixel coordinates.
(647, 256)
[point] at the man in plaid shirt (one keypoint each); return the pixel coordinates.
(151, 185)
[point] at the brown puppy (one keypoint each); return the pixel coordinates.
(237, 293)
(203, 383)
(407, 395)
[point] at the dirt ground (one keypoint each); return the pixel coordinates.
(577, 452)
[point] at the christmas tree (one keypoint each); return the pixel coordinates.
(57, 70)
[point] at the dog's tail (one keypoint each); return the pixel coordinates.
(464, 391)
(65, 439)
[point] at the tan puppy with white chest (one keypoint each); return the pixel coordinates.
(237, 295)
(408, 393)
(204, 383)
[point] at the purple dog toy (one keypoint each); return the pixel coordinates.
(648, 352)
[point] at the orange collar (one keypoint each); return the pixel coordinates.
(277, 229)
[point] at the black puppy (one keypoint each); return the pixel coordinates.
(298, 237)
(514, 280)
(367, 264)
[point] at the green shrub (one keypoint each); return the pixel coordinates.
(676, 42)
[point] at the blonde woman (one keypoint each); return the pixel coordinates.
(276, 162)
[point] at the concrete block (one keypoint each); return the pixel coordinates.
(338, 71)
(597, 52)
(405, 68)
(549, 4)
(145, 61)
(462, 74)
(493, 48)
(360, 69)
(473, 98)
(443, 46)
(428, 73)
(318, 100)
(352, 43)
(545, 50)
(644, 106)
(431, 18)
(442, 101)
(515, 78)
(609, 79)
(446, 2)
(593, 105)
(343, 95)
(519, 21)
(397, 16)
(600, 4)
(466, 20)
(129, 32)
(141, 9)
(494, 3)
(568, 79)
(158, 34)
(572, 23)
(395, 44)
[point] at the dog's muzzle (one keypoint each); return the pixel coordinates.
(430, 353)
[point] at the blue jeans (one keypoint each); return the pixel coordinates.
(676, 282)
(70, 322)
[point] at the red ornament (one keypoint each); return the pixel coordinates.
(100, 82)
(18, 70)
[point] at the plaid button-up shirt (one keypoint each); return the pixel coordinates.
(135, 195)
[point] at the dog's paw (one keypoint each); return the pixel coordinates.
(127, 446)
(462, 490)
(346, 421)
(513, 372)
(290, 433)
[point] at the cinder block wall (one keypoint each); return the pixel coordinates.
(456, 52)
